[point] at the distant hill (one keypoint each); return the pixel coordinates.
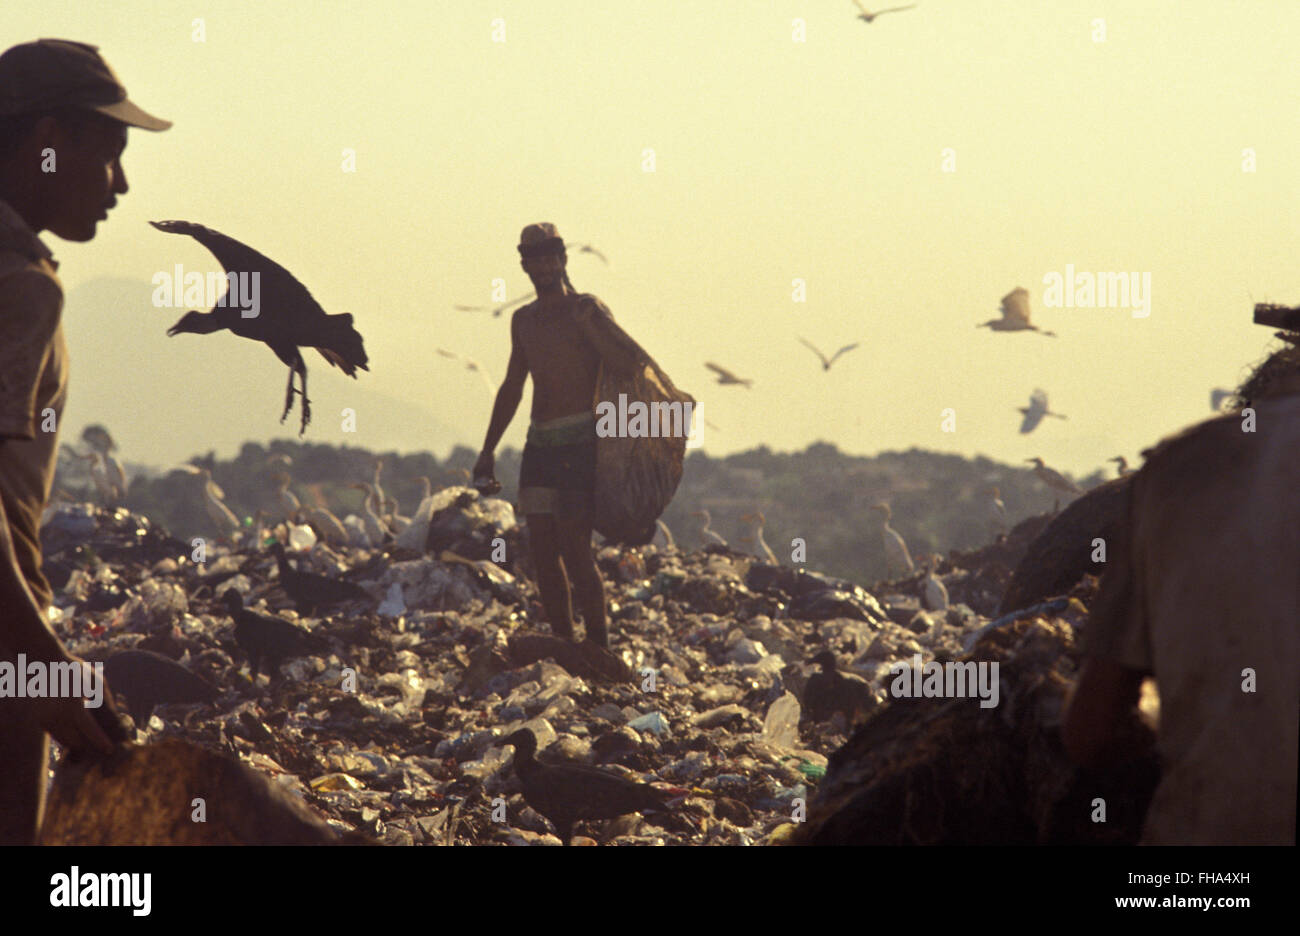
(819, 494)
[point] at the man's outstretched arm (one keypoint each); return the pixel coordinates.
(507, 402)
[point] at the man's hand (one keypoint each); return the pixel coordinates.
(69, 721)
(484, 474)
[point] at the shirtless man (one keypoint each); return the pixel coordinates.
(554, 340)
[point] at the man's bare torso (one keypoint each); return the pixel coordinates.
(562, 361)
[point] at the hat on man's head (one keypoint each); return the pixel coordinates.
(49, 74)
(540, 239)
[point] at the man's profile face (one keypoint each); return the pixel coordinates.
(545, 271)
(88, 174)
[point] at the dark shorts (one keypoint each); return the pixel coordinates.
(559, 464)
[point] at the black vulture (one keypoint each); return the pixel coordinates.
(287, 319)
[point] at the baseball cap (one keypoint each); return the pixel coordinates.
(540, 239)
(55, 73)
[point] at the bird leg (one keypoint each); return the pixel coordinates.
(288, 396)
(306, 403)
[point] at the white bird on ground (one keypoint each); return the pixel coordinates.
(1035, 412)
(376, 532)
(214, 502)
(868, 17)
(1015, 314)
(757, 520)
(997, 512)
(706, 534)
(1054, 479)
(828, 361)
(289, 503)
(394, 520)
(726, 377)
(377, 492)
(667, 534)
(97, 438)
(108, 493)
(327, 526)
(1121, 465)
(898, 561)
(259, 528)
(935, 597)
(414, 535)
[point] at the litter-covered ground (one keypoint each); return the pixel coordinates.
(390, 725)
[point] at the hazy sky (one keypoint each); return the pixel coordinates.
(773, 160)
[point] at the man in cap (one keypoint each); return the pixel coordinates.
(554, 340)
(63, 122)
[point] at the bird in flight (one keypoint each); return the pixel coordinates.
(1015, 314)
(473, 366)
(586, 248)
(498, 310)
(827, 362)
(1035, 411)
(725, 376)
(288, 318)
(868, 17)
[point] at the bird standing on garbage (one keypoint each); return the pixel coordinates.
(310, 591)
(831, 691)
(1054, 479)
(709, 536)
(935, 594)
(898, 561)
(569, 793)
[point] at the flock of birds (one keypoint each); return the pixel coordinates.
(380, 521)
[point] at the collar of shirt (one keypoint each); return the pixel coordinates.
(17, 236)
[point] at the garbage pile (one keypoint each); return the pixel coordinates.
(390, 726)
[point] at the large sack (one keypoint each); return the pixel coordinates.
(636, 477)
(146, 796)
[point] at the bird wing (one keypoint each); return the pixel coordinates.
(287, 312)
(448, 354)
(496, 313)
(720, 371)
(811, 347)
(1038, 399)
(1015, 306)
(895, 9)
(587, 248)
(232, 255)
(844, 350)
(859, 5)
(1033, 416)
